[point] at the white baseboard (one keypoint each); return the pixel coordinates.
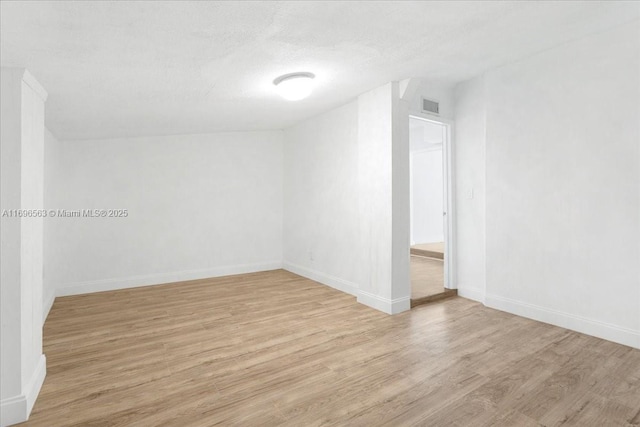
(374, 301)
(46, 307)
(581, 324)
(386, 305)
(158, 279)
(17, 409)
(326, 279)
(475, 294)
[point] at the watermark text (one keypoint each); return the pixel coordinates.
(65, 213)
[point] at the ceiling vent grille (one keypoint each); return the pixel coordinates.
(429, 106)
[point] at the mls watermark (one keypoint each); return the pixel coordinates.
(65, 213)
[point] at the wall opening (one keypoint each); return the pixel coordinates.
(429, 149)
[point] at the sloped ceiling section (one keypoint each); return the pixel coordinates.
(117, 69)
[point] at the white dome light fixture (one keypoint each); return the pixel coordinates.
(294, 86)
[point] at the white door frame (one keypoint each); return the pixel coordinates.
(450, 281)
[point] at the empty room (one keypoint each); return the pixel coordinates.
(372, 213)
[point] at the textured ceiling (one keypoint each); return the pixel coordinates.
(156, 68)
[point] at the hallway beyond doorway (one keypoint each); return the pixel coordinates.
(427, 278)
(431, 250)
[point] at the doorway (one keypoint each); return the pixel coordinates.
(430, 203)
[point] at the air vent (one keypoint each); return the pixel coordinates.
(429, 106)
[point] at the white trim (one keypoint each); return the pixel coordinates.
(326, 279)
(35, 384)
(16, 409)
(158, 279)
(475, 294)
(13, 410)
(412, 225)
(46, 307)
(386, 305)
(377, 302)
(427, 117)
(450, 254)
(581, 324)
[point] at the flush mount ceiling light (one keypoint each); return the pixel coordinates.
(294, 86)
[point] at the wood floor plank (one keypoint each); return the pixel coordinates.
(273, 348)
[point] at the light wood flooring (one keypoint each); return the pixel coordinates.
(272, 348)
(427, 281)
(427, 276)
(432, 250)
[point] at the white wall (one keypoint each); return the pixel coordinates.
(53, 190)
(469, 153)
(427, 192)
(22, 364)
(10, 195)
(321, 222)
(562, 184)
(219, 202)
(198, 206)
(346, 208)
(384, 205)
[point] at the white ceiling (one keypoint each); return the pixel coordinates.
(156, 68)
